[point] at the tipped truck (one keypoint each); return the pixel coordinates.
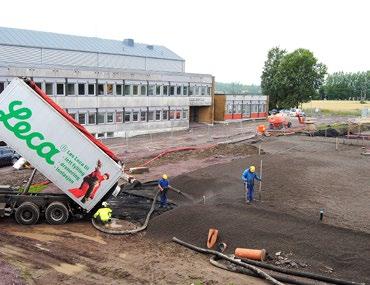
(61, 149)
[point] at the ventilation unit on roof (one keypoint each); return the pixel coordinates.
(151, 47)
(129, 42)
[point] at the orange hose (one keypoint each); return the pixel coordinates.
(255, 254)
(212, 237)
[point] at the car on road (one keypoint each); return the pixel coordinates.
(294, 112)
(8, 156)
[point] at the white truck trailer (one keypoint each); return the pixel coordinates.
(62, 150)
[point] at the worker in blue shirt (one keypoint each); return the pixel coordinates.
(163, 186)
(248, 177)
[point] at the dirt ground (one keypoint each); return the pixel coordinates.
(301, 175)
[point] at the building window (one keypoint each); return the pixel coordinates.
(73, 115)
(191, 91)
(127, 116)
(91, 89)
(229, 108)
(199, 90)
(158, 115)
(172, 90)
(158, 90)
(143, 116)
(178, 114)
(70, 89)
(178, 90)
(204, 88)
(165, 90)
(150, 115)
(208, 90)
(48, 88)
(127, 90)
(92, 118)
(172, 115)
(101, 118)
(185, 90)
(165, 115)
(2, 86)
(82, 118)
(101, 135)
(135, 116)
(39, 84)
(135, 90)
(119, 117)
(110, 134)
(81, 89)
(109, 89)
(143, 90)
(118, 89)
(151, 90)
(184, 114)
(60, 89)
(110, 117)
(100, 89)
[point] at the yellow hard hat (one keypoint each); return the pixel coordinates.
(252, 168)
(164, 176)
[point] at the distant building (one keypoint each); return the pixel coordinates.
(114, 88)
(239, 106)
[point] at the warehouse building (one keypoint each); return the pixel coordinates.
(228, 107)
(114, 88)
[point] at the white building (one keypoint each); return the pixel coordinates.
(114, 88)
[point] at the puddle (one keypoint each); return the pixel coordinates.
(68, 269)
(11, 251)
(35, 236)
(97, 239)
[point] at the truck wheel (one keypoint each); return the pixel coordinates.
(27, 213)
(56, 213)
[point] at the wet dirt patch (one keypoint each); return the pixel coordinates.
(69, 269)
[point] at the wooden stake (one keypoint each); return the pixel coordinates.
(260, 185)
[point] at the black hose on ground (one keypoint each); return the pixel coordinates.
(238, 269)
(103, 229)
(301, 273)
(258, 271)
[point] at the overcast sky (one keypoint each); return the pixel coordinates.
(226, 38)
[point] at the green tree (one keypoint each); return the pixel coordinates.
(346, 86)
(269, 83)
(237, 88)
(291, 78)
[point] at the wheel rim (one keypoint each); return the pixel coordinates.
(27, 215)
(57, 214)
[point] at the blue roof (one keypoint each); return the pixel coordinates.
(28, 38)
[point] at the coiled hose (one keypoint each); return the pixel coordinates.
(103, 229)
(256, 270)
(238, 269)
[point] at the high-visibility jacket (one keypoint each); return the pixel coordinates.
(104, 214)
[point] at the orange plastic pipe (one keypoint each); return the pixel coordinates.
(255, 254)
(212, 237)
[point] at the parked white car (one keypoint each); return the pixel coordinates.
(294, 112)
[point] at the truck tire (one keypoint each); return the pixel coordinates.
(27, 213)
(56, 213)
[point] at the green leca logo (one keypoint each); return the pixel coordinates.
(22, 130)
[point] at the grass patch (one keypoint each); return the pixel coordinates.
(34, 188)
(329, 112)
